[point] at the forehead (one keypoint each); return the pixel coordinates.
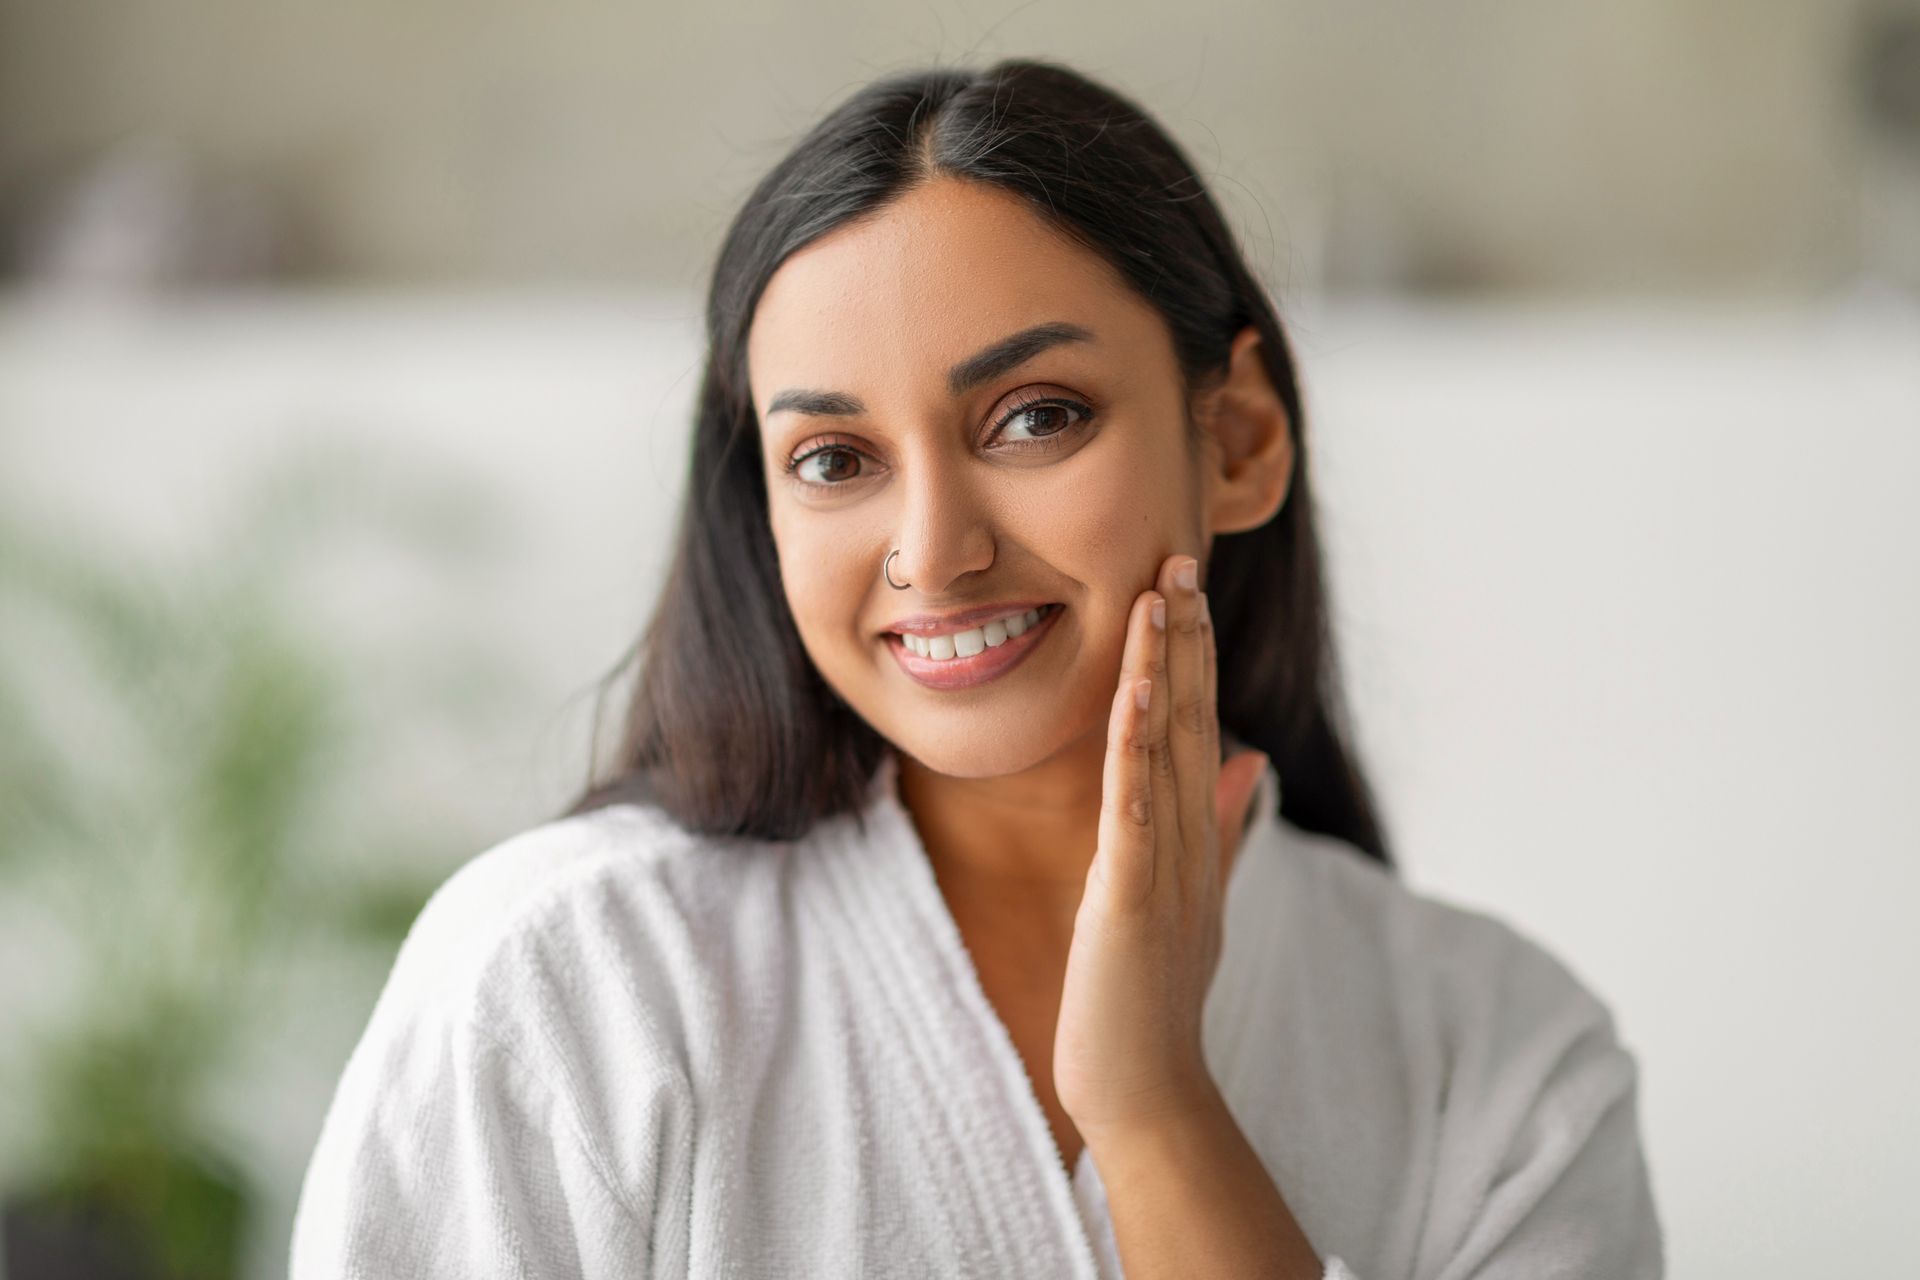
(891, 301)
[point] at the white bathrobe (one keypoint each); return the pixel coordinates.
(609, 1048)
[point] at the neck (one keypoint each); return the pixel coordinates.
(1023, 841)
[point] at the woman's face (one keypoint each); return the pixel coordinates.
(1063, 477)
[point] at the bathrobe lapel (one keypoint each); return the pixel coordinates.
(1006, 1199)
(1007, 1171)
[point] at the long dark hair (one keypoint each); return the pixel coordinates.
(730, 728)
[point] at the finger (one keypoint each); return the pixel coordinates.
(1166, 794)
(1210, 702)
(1126, 854)
(1187, 714)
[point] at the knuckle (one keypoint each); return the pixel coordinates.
(1138, 809)
(1192, 716)
(1163, 763)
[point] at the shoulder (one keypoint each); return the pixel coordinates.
(1515, 1046)
(1493, 1060)
(1476, 963)
(577, 940)
(1454, 1065)
(1498, 1028)
(533, 1003)
(510, 894)
(556, 967)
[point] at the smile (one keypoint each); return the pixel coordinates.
(974, 656)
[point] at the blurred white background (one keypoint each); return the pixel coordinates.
(1609, 327)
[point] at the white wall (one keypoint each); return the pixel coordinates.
(1629, 600)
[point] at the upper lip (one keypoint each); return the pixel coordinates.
(933, 624)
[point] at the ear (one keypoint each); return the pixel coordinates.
(1248, 442)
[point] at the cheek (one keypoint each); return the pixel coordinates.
(1114, 522)
(822, 578)
(1109, 529)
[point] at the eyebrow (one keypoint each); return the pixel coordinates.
(983, 366)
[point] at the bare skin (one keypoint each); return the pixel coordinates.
(1092, 499)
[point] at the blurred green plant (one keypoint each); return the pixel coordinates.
(179, 752)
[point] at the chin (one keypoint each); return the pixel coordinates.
(985, 755)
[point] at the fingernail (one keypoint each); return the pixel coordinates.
(1159, 612)
(1187, 574)
(1140, 692)
(1206, 611)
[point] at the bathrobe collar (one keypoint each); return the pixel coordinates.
(1021, 1193)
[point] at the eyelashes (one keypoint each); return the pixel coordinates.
(1051, 440)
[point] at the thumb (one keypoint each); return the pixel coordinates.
(1233, 795)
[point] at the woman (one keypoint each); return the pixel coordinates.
(921, 927)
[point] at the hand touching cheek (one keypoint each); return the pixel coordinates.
(1147, 937)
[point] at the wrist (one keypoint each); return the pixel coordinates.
(1166, 1121)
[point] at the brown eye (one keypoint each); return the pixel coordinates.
(836, 465)
(1038, 418)
(1042, 420)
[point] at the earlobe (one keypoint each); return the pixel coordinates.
(1252, 448)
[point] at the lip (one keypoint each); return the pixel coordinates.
(933, 624)
(988, 664)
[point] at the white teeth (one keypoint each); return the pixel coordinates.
(967, 643)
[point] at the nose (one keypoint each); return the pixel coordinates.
(945, 531)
